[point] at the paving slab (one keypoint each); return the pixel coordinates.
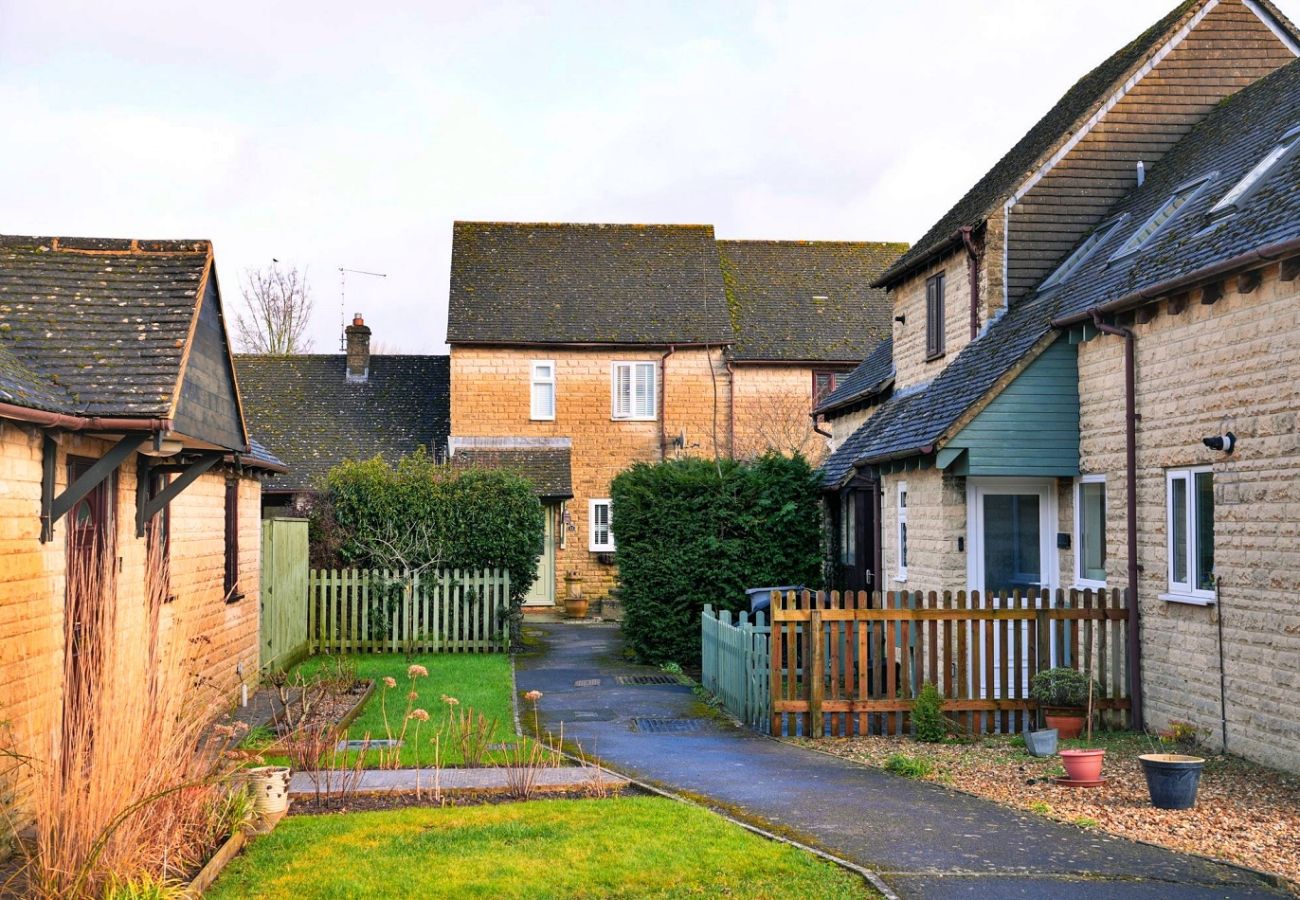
(924, 840)
(496, 778)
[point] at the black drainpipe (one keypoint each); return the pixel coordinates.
(973, 272)
(1130, 467)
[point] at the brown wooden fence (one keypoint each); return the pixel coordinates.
(852, 663)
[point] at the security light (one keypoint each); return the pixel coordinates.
(1224, 442)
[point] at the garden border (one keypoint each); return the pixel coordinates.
(217, 863)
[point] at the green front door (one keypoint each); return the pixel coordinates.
(542, 592)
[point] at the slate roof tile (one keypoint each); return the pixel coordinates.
(100, 324)
(305, 408)
(586, 283)
(806, 300)
(871, 375)
(548, 468)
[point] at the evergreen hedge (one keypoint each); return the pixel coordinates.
(695, 531)
(422, 514)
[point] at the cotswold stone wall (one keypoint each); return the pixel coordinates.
(32, 585)
(490, 397)
(1231, 366)
(936, 518)
(773, 407)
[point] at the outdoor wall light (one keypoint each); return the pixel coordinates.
(1224, 442)
(901, 320)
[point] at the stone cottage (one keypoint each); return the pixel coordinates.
(582, 349)
(1138, 235)
(121, 439)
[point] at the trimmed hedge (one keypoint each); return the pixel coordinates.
(692, 531)
(423, 514)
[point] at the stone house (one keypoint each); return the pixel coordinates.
(1151, 212)
(319, 410)
(578, 350)
(121, 439)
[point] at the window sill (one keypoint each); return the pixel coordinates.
(235, 598)
(541, 418)
(634, 418)
(933, 356)
(901, 579)
(1082, 584)
(1186, 599)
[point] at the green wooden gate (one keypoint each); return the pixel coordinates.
(284, 592)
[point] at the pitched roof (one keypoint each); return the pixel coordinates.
(806, 300)
(872, 375)
(315, 418)
(1079, 102)
(559, 283)
(543, 462)
(97, 327)
(1226, 145)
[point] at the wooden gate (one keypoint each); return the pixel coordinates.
(853, 663)
(284, 592)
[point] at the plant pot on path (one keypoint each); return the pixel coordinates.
(1041, 743)
(1172, 779)
(1082, 767)
(1067, 722)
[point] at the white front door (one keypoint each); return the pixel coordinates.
(1011, 545)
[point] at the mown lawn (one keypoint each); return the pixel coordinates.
(625, 847)
(479, 681)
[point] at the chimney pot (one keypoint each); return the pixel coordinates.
(358, 343)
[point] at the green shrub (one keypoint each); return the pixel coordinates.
(908, 766)
(424, 515)
(927, 715)
(1062, 688)
(692, 531)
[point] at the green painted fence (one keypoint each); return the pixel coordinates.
(382, 611)
(735, 664)
(283, 592)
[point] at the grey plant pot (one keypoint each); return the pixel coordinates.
(1041, 743)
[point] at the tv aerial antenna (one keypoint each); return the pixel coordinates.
(343, 290)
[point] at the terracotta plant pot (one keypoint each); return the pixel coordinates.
(1067, 722)
(575, 607)
(1083, 765)
(1172, 779)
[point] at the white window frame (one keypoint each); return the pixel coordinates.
(1079, 579)
(592, 544)
(1183, 591)
(900, 530)
(1253, 180)
(534, 382)
(1188, 191)
(630, 414)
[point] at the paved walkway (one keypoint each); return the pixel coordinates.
(924, 840)
(380, 781)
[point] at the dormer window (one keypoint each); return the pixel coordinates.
(1082, 252)
(1255, 178)
(1162, 217)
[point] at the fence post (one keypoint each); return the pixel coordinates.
(813, 673)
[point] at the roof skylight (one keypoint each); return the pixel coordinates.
(1082, 252)
(1162, 217)
(1255, 177)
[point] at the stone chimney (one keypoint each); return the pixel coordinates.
(358, 335)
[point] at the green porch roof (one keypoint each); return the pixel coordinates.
(1031, 428)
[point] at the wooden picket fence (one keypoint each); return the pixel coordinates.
(734, 664)
(852, 663)
(382, 611)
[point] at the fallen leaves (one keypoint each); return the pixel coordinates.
(1245, 813)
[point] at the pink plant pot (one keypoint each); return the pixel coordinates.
(1083, 765)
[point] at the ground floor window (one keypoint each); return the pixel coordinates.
(1090, 531)
(902, 532)
(231, 580)
(600, 526)
(848, 528)
(1190, 506)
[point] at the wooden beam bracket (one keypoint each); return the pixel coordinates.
(1212, 293)
(1290, 269)
(54, 507)
(1248, 281)
(147, 507)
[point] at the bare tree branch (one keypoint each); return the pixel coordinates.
(277, 311)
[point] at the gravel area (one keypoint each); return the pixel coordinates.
(1245, 813)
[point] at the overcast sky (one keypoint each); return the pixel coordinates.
(354, 134)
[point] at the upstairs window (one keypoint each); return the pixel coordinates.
(1082, 253)
(633, 387)
(1162, 217)
(1254, 179)
(600, 526)
(543, 389)
(823, 384)
(934, 316)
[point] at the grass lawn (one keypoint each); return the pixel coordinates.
(625, 847)
(480, 680)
